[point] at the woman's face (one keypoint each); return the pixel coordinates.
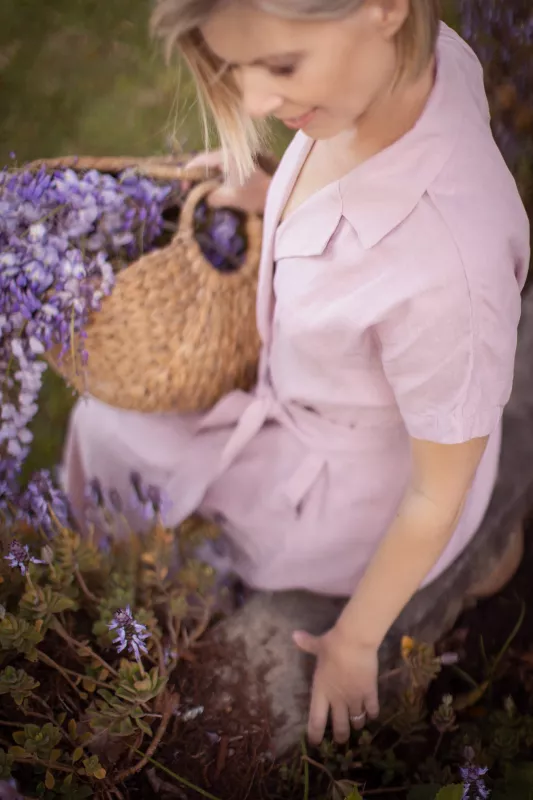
(321, 76)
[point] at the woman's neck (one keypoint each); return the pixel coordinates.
(391, 116)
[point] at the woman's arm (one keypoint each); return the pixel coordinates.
(426, 520)
(345, 681)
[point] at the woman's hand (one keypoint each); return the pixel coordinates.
(345, 681)
(249, 197)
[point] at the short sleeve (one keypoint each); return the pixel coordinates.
(448, 354)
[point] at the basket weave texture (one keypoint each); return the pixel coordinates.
(176, 334)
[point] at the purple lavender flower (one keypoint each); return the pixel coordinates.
(148, 500)
(473, 779)
(130, 633)
(94, 494)
(19, 557)
(137, 484)
(219, 237)
(502, 36)
(41, 504)
(58, 233)
(115, 501)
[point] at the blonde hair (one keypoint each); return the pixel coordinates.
(178, 22)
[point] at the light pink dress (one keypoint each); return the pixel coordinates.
(392, 312)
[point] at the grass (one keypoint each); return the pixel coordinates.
(83, 76)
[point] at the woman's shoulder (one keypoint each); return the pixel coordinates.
(477, 200)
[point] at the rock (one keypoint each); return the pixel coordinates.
(272, 667)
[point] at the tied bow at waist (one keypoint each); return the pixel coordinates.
(321, 437)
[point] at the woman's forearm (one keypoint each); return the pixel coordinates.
(412, 546)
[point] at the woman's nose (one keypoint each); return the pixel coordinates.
(258, 96)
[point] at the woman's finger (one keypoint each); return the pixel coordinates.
(357, 716)
(340, 718)
(318, 715)
(371, 704)
(210, 159)
(225, 197)
(307, 642)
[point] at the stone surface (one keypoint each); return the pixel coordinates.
(273, 668)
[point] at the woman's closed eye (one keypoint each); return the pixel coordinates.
(284, 71)
(278, 70)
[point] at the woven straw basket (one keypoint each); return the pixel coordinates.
(175, 334)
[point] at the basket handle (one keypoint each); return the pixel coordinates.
(193, 199)
(185, 232)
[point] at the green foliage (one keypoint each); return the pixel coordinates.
(38, 741)
(18, 684)
(55, 642)
(20, 635)
(6, 762)
(354, 795)
(428, 792)
(451, 793)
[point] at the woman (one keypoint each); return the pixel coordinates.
(395, 250)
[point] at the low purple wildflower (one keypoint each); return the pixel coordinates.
(19, 557)
(101, 510)
(41, 504)
(149, 500)
(473, 779)
(94, 494)
(130, 633)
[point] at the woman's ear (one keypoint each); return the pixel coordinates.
(391, 15)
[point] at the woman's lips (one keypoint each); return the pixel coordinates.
(300, 122)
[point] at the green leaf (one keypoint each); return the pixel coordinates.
(144, 727)
(93, 769)
(354, 795)
(18, 752)
(72, 729)
(451, 792)
(519, 773)
(428, 792)
(17, 683)
(20, 635)
(37, 741)
(77, 754)
(125, 727)
(6, 762)
(49, 780)
(45, 603)
(32, 731)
